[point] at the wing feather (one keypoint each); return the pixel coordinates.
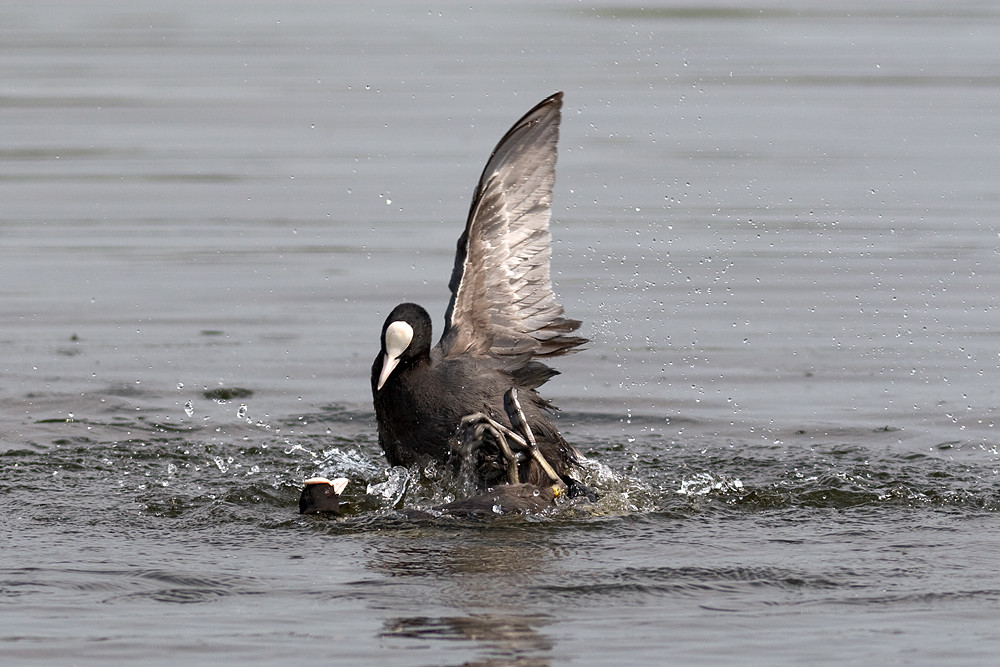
(502, 301)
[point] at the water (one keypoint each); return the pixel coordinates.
(778, 222)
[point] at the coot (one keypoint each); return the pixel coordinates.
(321, 495)
(505, 499)
(447, 403)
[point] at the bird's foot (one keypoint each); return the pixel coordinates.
(472, 433)
(517, 419)
(514, 447)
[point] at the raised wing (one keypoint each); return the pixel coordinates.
(501, 292)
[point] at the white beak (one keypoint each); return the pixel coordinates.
(338, 484)
(388, 364)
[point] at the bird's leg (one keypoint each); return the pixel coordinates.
(517, 419)
(475, 426)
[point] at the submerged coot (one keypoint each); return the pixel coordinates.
(321, 495)
(447, 403)
(505, 499)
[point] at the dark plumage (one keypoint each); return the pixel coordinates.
(506, 499)
(321, 496)
(503, 317)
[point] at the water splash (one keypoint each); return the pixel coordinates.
(222, 464)
(296, 447)
(703, 483)
(618, 493)
(352, 463)
(393, 488)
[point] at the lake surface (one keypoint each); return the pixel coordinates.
(778, 222)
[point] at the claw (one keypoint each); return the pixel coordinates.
(481, 424)
(517, 419)
(475, 426)
(516, 415)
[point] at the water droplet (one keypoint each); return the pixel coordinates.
(242, 412)
(189, 409)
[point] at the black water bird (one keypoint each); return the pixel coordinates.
(504, 499)
(321, 495)
(447, 403)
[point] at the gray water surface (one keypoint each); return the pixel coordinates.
(778, 222)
